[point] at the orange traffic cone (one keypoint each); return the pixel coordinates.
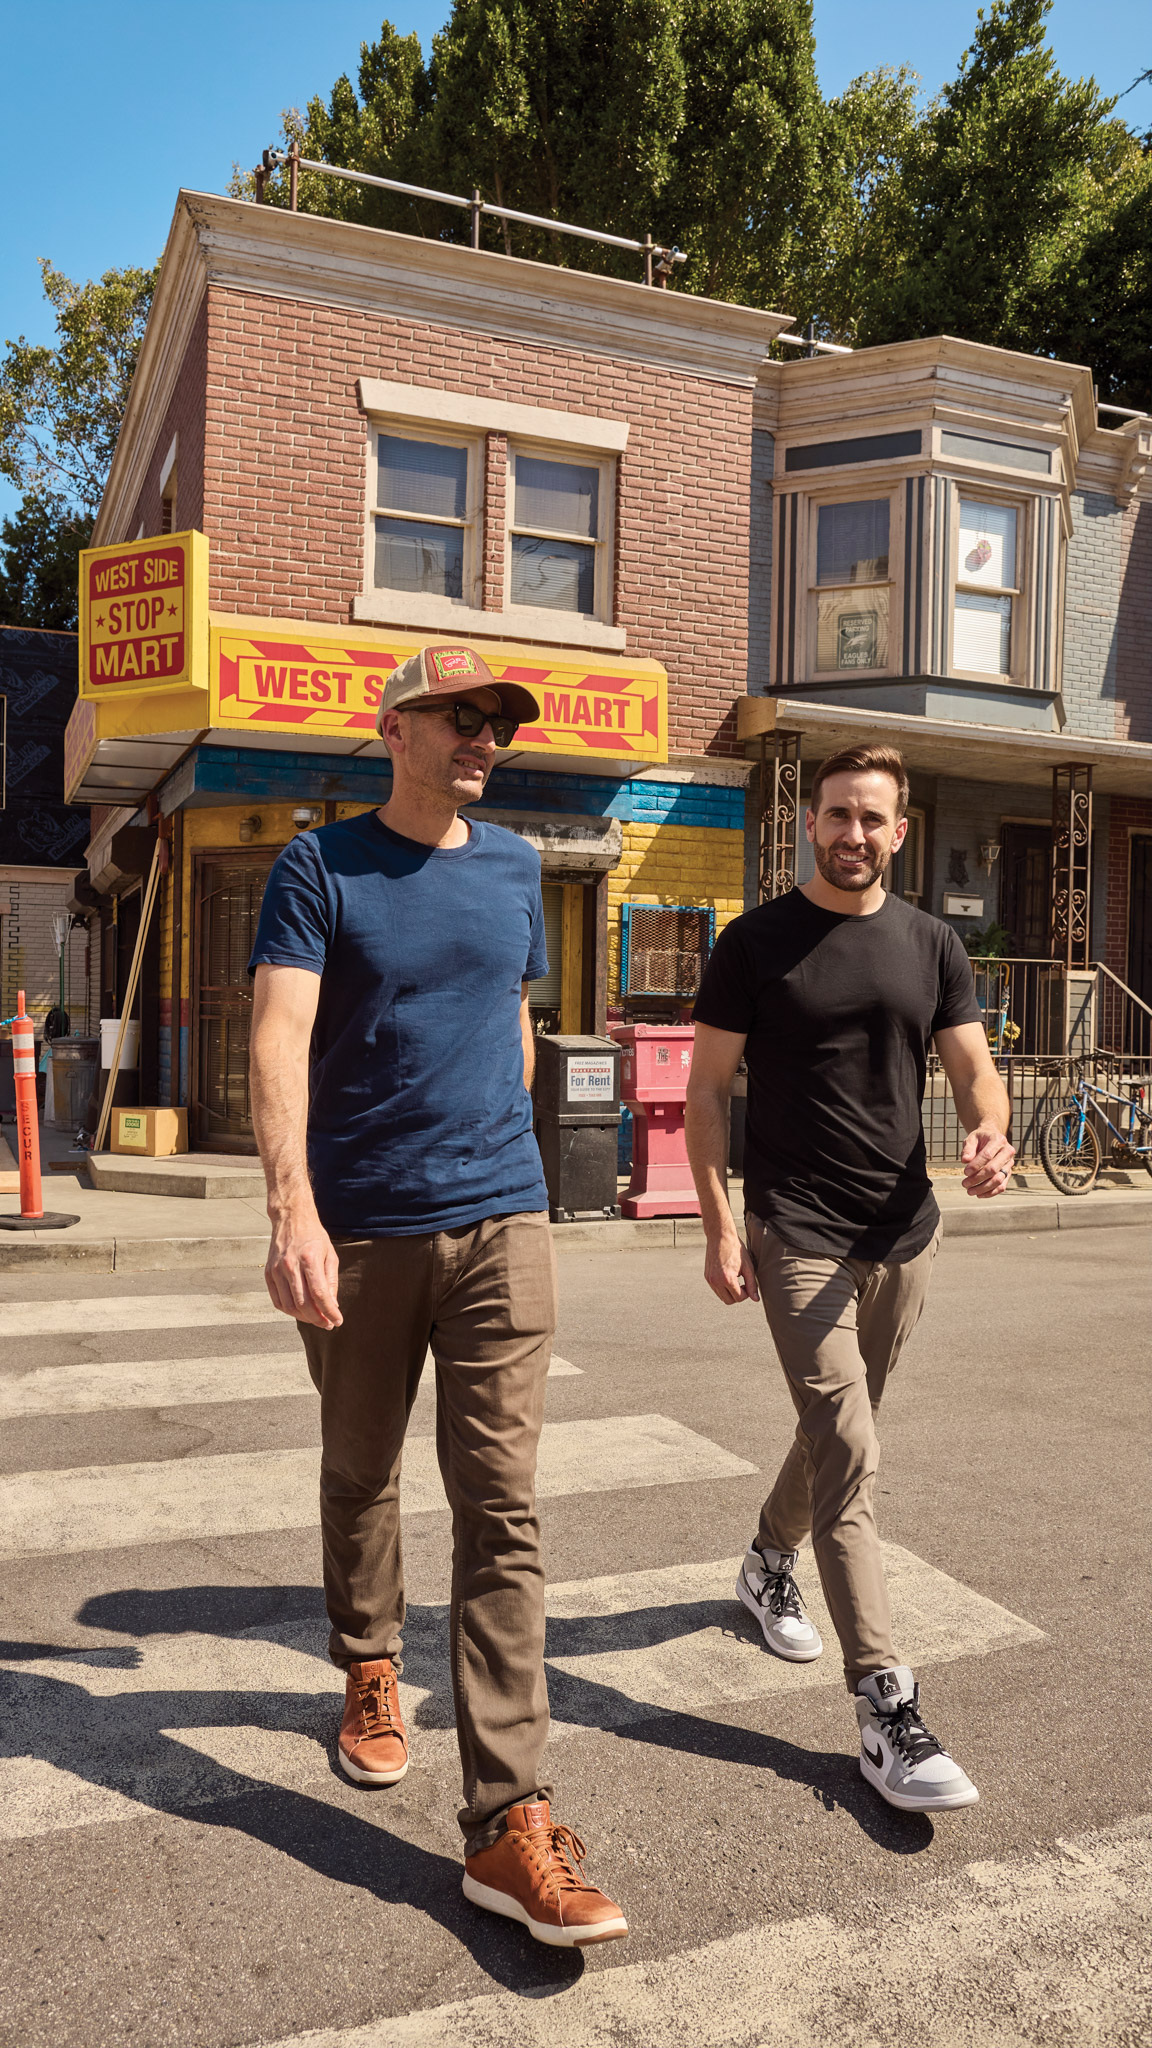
(32, 1215)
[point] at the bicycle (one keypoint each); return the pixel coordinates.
(1070, 1148)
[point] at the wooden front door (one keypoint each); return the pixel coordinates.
(1026, 889)
(227, 892)
(1140, 918)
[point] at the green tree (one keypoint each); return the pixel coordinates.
(696, 120)
(39, 562)
(1007, 179)
(860, 226)
(61, 407)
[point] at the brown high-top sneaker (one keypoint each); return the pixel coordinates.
(373, 1746)
(532, 1874)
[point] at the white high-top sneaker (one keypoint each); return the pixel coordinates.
(769, 1591)
(907, 1766)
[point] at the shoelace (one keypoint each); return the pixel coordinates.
(782, 1595)
(557, 1854)
(907, 1733)
(375, 1697)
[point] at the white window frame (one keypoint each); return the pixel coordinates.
(860, 490)
(976, 491)
(471, 524)
(603, 545)
(915, 893)
(415, 411)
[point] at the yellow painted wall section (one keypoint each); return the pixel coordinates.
(674, 864)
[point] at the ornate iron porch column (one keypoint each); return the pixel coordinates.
(1071, 863)
(779, 804)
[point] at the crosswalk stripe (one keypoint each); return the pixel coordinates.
(188, 1718)
(169, 1383)
(96, 1314)
(977, 1958)
(103, 1507)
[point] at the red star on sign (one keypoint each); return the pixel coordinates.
(171, 611)
(100, 622)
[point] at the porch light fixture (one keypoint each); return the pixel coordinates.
(989, 853)
(249, 827)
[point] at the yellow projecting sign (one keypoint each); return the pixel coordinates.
(144, 616)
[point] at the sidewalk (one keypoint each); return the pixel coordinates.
(129, 1229)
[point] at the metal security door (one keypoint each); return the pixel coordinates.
(227, 896)
(1026, 890)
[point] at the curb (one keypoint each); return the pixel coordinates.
(1021, 1217)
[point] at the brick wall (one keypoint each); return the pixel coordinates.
(285, 478)
(184, 419)
(1126, 814)
(1108, 619)
(28, 957)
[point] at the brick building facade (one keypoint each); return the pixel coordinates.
(707, 561)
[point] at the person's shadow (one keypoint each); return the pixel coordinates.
(130, 1743)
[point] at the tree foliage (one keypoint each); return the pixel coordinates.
(40, 562)
(61, 407)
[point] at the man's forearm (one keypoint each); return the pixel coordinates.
(706, 1131)
(983, 1101)
(279, 1087)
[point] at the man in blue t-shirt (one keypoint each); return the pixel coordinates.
(391, 1060)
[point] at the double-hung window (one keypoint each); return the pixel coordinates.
(987, 585)
(557, 534)
(852, 585)
(424, 516)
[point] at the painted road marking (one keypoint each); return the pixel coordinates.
(104, 1507)
(98, 1314)
(1067, 1932)
(168, 1383)
(179, 1720)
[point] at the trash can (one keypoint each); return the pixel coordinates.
(75, 1072)
(577, 1119)
(656, 1063)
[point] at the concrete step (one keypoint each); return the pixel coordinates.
(190, 1176)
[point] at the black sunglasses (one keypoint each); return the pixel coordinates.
(470, 720)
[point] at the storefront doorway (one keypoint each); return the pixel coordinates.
(227, 891)
(1140, 918)
(1026, 890)
(571, 996)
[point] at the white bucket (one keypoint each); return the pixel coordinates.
(129, 1051)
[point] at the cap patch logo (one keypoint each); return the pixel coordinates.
(453, 661)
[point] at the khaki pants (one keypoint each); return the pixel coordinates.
(485, 1299)
(839, 1326)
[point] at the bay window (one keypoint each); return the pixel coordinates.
(852, 585)
(987, 585)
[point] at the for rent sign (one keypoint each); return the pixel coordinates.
(144, 615)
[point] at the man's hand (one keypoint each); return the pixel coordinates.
(303, 1271)
(729, 1270)
(987, 1159)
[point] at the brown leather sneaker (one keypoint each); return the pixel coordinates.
(532, 1874)
(373, 1746)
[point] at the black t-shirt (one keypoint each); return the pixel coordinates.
(839, 1014)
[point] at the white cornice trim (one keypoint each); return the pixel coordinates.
(380, 397)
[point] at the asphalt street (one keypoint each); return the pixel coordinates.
(183, 1863)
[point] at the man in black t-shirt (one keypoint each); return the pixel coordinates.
(833, 995)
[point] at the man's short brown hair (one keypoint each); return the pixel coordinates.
(863, 761)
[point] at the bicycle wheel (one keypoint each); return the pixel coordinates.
(1070, 1152)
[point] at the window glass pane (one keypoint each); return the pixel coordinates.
(411, 556)
(559, 495)
(558, 574)
(981, 633)
(852, 542)
(545, 993)
(852, 630)
(987, 544)
(422, 476)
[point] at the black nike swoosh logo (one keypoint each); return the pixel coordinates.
(876, 1761)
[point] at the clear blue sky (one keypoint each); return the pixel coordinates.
(109, 109)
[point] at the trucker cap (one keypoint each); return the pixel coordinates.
(445, 671)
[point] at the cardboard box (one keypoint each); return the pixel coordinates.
(150, 1133)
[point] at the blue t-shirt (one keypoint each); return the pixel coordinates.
(419, 1119)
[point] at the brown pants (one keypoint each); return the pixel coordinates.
(839, 1326)
(485, 1299)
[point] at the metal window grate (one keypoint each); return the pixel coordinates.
(665, 948)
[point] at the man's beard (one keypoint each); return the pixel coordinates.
(851, 880)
